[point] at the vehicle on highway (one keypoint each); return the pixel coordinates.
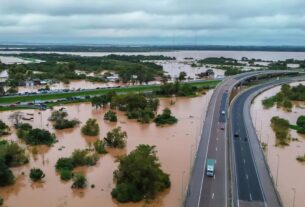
(236, 134)
(223, 112)
(210, 168)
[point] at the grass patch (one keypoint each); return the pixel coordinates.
(29, 98)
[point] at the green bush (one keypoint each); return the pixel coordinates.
(36, 174)
(35, 136)
(139, 176)
(12, 154)
(64, 164)
(165, 118)
(1, 201)
(116, 138)
(91, 128)
(79, 181)
(6, 175)
(110, 116)
(99, 147)
(281, 128)
(66, 175)
(301, 121)
(4, 129)
(65, 124)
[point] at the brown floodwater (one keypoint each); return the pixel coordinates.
(287, 172)
(175, 148)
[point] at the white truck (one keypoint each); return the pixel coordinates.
(210, 168)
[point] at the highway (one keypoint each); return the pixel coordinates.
(213, 191)
(253, 185)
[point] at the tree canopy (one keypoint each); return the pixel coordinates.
(139, 176)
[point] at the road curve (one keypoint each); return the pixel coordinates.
(253, 185)
(206, 191)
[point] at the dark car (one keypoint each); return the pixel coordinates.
(236, 134)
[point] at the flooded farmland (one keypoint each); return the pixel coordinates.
(287, 172)
(175, 148)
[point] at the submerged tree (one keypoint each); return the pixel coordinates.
(116, 138)
(91, 128)
(139, 176)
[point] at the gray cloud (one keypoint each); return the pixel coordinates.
(276, 22)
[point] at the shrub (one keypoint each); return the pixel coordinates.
(66, 175)
(4, 129)
(65, 124)
(91, 128)
(110, 116)
(165, 118)
(35, 136)
(58, 115)
(139, 176)
(79, 181)
(301, 121)
(64, 164)
(6, 175)
(12, 154)
(99, 147)
(1, 201)
(116, 138)
(281, 128)
(36, 174)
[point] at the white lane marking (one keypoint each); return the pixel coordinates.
(206, 154)
(242, 148)
(214, 177)
(212, 195)
(216, 149)
(244, 161)
(247, 177)
(250, 197)
(215, 162)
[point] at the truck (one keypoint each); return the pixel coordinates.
(210, 168)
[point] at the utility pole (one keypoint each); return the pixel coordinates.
(277, 170)
(294, 191)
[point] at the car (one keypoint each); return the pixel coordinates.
(223, 112)
(236, 134)
(222, 128)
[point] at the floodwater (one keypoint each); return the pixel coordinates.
(175, 147)
(287, 172)
(171, 67)
(180, 55)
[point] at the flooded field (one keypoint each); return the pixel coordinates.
(286, 170)
(175, 145)
(180, 55)
(72, 85)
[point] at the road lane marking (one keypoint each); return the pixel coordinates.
(212, 195)
(244, 161)
(216, 149)
(247, 176)
(250, 197)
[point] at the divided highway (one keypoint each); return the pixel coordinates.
(213, 191)
(253, 184)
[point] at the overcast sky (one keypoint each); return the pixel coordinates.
(202, 22)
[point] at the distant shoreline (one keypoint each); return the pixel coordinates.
(142, 48)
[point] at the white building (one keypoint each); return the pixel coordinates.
(3, 76)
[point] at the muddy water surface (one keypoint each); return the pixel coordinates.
(175, 145)
(287, 172)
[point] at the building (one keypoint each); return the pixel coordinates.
(3, 76)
